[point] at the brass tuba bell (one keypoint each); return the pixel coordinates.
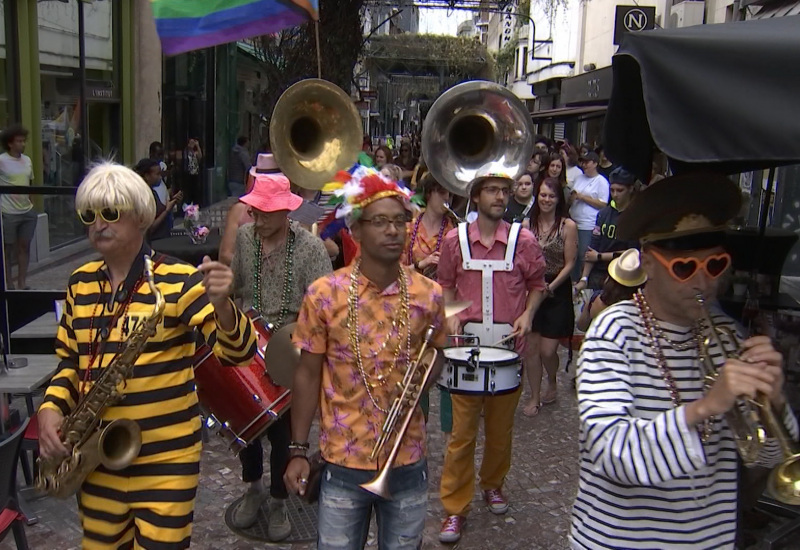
(472, 126)
(315, 131)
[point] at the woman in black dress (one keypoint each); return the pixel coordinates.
(555, 318)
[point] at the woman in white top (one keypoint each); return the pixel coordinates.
(19, 217)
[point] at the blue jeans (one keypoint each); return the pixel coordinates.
(345, 509)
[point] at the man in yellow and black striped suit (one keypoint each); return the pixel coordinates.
(150, 503)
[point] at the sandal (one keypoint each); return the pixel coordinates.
(551, 398)
(531, 410)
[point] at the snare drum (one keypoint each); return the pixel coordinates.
(480, 371)
(239, 402)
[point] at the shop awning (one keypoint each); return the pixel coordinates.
(778, 9)
(568, 112)
(714, 97)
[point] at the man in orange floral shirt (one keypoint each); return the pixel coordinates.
(359, 329)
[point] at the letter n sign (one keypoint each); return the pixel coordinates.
(633, 19)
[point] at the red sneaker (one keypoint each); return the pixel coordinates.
(451, 529)
(497, 503)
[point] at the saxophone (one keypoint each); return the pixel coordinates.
(115, 445)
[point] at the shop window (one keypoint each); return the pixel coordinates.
(62, 124)
(74, 136)
(8, 57)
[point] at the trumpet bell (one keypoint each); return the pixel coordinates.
(315, 131)
(784, 481)
(476, 126)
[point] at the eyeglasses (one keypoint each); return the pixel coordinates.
(683, 269)
(497, 190)
(382, 222)
(109, 215)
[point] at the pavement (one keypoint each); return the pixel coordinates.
(540, 486)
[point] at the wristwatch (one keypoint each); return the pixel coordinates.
(584, 280)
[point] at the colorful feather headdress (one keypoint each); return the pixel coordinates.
(352, 192)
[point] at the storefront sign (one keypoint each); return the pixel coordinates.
(100, 90)
(592, 87)
(508, 23)
(101, 93)
(633, 19)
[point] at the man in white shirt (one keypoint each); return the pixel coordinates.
(19, 217)
(589, 195)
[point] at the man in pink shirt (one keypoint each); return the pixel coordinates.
(517, 286)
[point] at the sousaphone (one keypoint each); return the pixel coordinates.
(472, 126)
(315, 131)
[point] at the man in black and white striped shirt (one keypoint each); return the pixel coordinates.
(658, 457)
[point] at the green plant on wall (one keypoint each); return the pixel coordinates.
(504, 62)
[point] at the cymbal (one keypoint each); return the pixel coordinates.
(454, 308)
(282, 357)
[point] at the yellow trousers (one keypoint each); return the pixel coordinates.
(458, 474)
(143, 506)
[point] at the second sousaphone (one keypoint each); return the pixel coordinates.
(315, 131)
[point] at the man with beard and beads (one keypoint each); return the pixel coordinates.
(500, 270)
(274, 262)
(150, 503)
(657, 450)
(359, 330)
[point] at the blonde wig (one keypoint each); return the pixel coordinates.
(110, 185)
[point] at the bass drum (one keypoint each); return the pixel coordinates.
(240, 403)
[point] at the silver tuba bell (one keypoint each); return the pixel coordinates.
(473, 126)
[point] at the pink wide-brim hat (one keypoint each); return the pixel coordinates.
(271, 193)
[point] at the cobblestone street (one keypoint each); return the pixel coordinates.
(540, 487)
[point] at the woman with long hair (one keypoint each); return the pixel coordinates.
(425, 236)
(555, 318)
(383, 156)
(427, 231)
(553, 167)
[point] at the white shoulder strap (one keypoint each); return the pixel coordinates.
(463, 240)
(511, 247)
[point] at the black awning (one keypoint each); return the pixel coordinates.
(568, 112)
(714, 97)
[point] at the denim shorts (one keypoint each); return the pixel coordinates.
(345, 509)
(19, 226)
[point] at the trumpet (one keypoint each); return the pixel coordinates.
(405, 404)
(752, 421)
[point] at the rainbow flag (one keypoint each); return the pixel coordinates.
(185, 25)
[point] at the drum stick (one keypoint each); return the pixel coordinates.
(504, 340)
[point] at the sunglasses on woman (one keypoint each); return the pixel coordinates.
(109, 215)
(683, 269)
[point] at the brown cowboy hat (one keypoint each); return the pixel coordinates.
(680, 206)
